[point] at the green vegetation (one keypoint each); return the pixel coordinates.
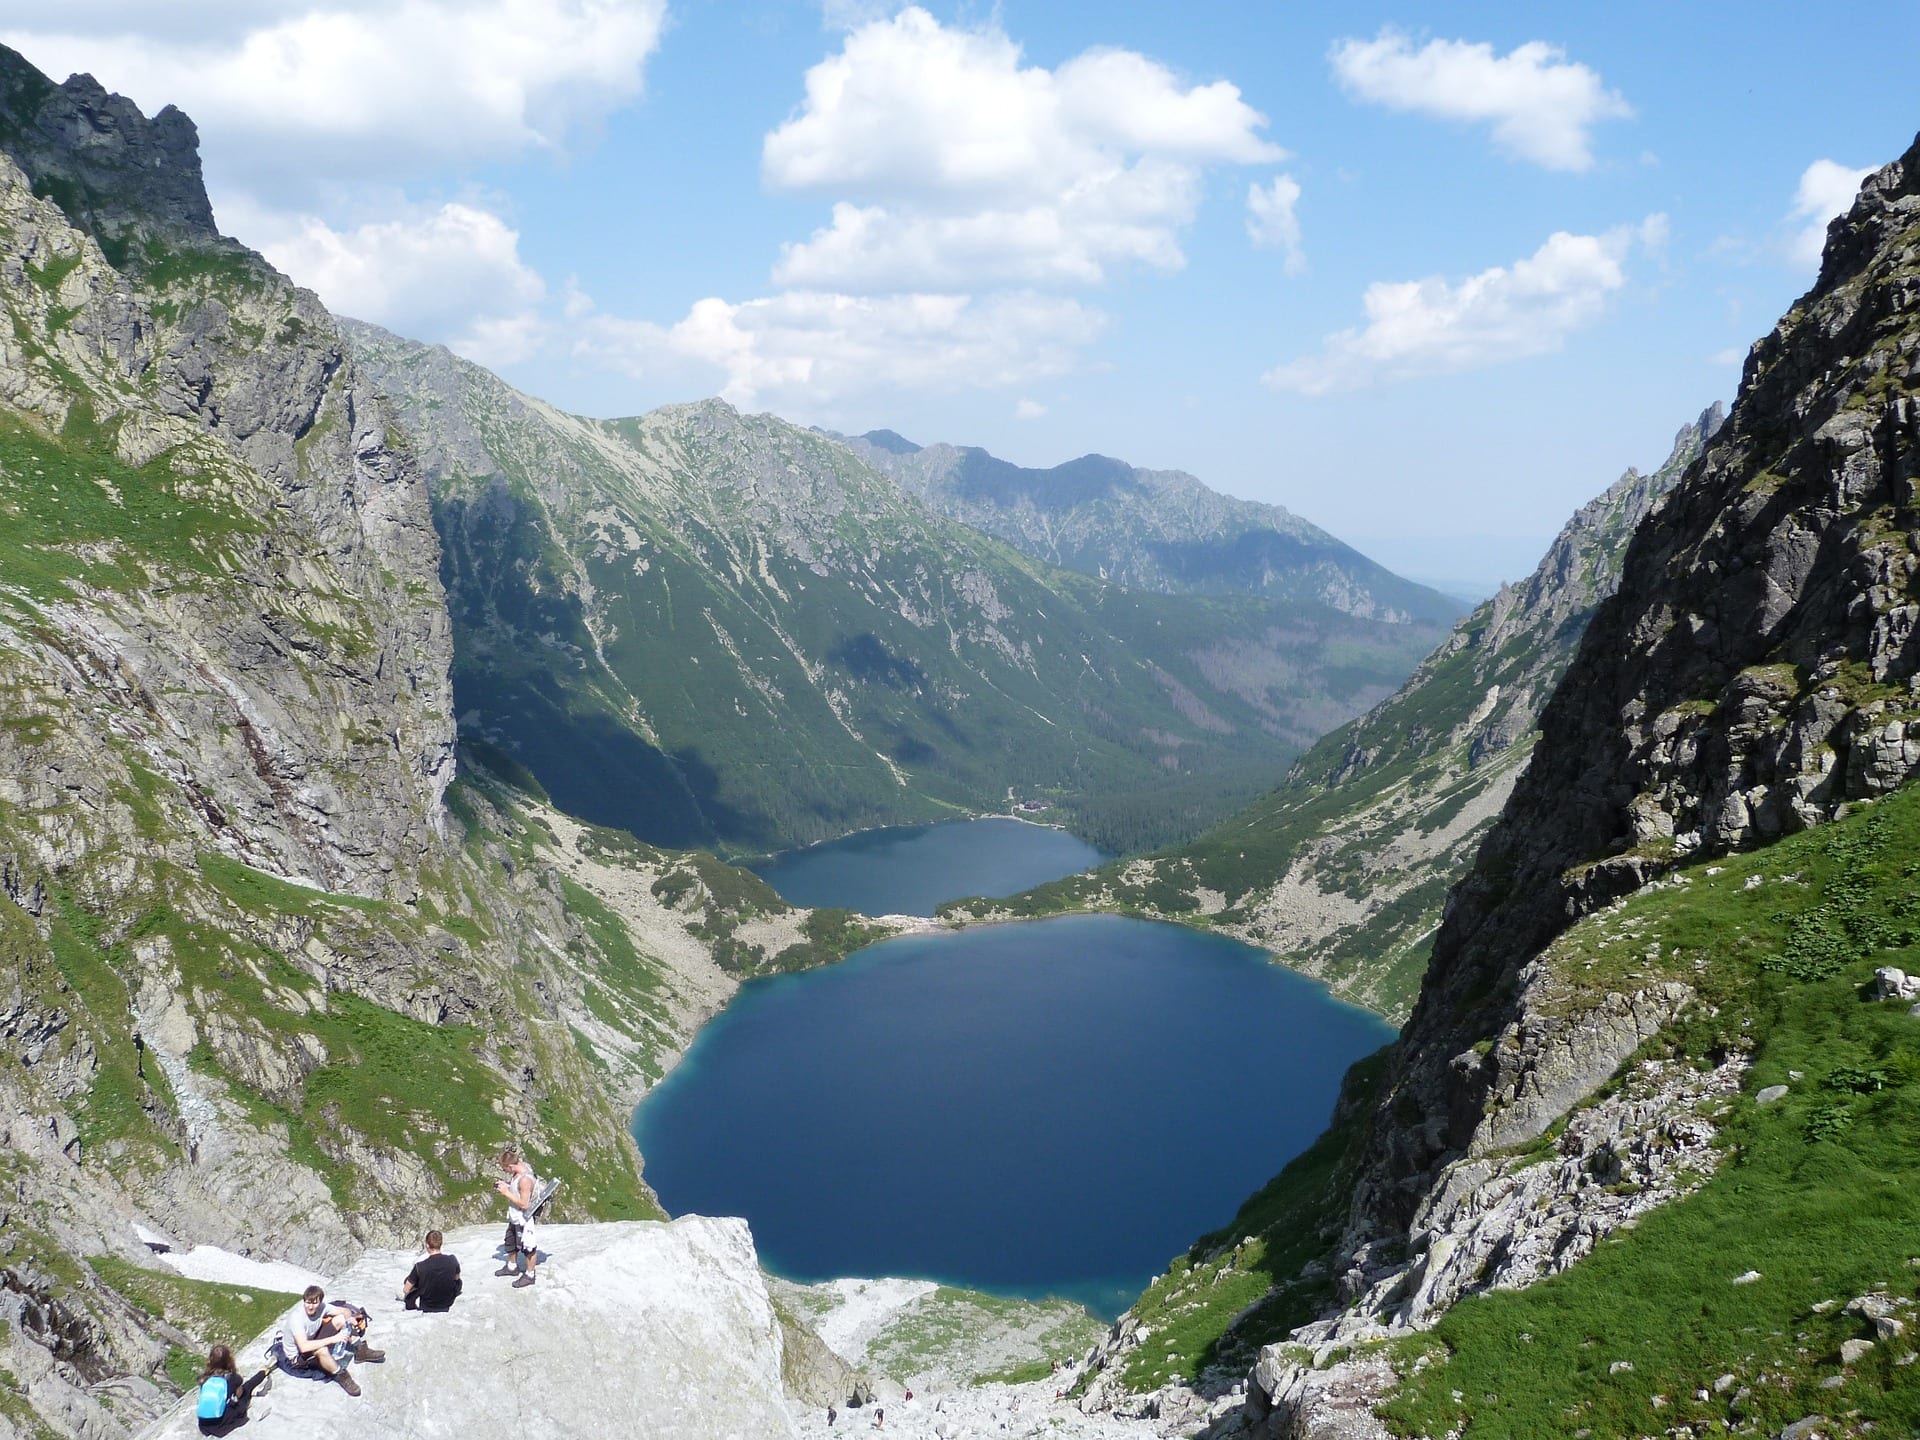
(1815, 1192)
(211, 1313)
(951, 1331)
(123, 1095)
(259, 893)
(72, 511)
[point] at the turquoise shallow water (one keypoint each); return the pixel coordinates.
(1049, 1108)
(909, 869)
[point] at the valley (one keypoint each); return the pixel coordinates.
(395, 766)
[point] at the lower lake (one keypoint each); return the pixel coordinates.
(1054, 1107)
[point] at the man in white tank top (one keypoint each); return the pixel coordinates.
(518, 1190)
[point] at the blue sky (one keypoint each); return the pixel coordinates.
(1430, 276)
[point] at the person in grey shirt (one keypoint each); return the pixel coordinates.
(315, 1334)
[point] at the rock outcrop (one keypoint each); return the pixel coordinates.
(123, 178)
(637, 1329)
(1755, 674)
(1750, 677)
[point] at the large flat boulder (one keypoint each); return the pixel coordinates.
(642, 1328)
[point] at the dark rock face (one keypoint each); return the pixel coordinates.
(118, 175)
(1754, 672)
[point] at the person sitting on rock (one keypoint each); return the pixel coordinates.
(434, 1283)
(221, 1407)
(314, 1334)
(518, 1189)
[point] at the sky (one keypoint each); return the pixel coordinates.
(1430, 276)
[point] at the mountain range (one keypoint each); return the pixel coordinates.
(321, 651)
(723, 630)
(1158, 530)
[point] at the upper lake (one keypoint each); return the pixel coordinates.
(910, 869)
(1053, 1107)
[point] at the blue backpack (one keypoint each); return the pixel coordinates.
(213, 1398)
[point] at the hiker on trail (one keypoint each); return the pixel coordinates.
(518, 1190)
(315, 1334)
(434, 1282)
(222, 1399)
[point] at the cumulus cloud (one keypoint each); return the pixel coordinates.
(1436, 327)
(452, 275)
(1542, 106)
(951, 162)
(290, 93)
(1271, 221)
(805, 349)
(1028, 410)
(1826, 189)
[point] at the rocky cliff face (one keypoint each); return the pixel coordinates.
(1380, 817)
(1754, 675)
(1150, 529)
(1749, 678)
(269, 978)
(123, 178)
(641, 604)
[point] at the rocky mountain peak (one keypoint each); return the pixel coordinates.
(123, 178)
(1754, 675)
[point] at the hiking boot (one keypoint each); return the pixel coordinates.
(367, 1355)
(506, 1270)
(523, 1282)
(347, 1382)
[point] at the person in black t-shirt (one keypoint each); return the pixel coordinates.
(434, 1283)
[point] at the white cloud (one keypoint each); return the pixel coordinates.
(1826, 189)
(1541, 105)
(1271, 221)
(1732, 355)
(290, 94)
(452, 275)
(802, 350)
(1434, 327)
(1028, 410)
(952, 163)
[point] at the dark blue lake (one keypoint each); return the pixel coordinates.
(1049, 1108)
(909, 869)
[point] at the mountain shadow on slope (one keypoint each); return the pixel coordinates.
(800, 649)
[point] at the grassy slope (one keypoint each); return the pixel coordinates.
(1819, 1192)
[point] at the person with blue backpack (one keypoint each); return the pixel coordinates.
(222, 1399)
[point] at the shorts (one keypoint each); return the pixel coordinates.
(295, 1360)
(520, 1239)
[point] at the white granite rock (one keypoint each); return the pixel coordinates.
(643, 1328)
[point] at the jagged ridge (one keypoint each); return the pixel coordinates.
(1150, 529)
